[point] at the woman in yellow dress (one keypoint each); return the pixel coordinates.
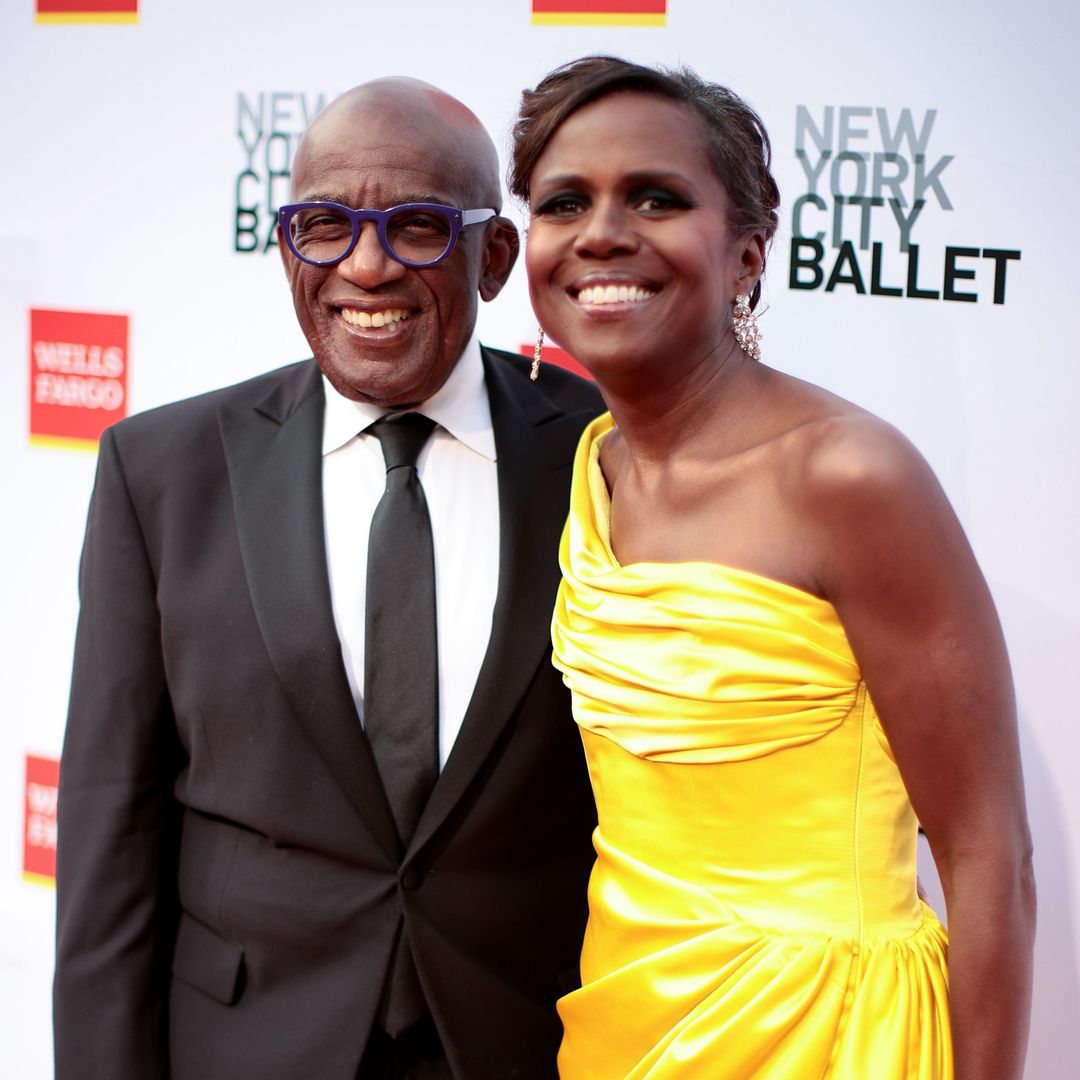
(781, 651)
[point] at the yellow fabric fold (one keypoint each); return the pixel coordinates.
(753, 910)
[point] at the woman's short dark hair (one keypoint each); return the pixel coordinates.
(738, 144)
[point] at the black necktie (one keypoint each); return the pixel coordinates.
(400, 653)
(401, 697)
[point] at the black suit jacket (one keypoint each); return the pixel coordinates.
(230, 880)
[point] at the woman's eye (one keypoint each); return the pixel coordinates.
(562, 205)
(657, 201)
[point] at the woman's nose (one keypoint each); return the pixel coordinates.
(608, 229)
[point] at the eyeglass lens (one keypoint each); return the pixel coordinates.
(323, 234)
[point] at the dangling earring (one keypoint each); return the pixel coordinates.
(745, 325)
(534, 372)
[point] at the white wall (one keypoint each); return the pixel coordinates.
(117, 194)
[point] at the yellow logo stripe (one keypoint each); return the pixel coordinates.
(64, 442)
(38, 879)
(69, 17)
(598, 18)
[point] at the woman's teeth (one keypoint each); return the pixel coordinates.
(613, 294)
(374, 318)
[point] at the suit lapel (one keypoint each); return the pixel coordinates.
(534, 445)
(275, 466)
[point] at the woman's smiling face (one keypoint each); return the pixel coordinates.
(630, 259)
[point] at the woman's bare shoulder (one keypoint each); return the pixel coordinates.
(837, 454)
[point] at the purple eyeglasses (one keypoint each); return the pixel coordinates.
(414, 234)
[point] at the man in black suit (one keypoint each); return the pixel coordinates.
(240, 891)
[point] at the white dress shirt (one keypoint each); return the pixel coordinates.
(457, 470)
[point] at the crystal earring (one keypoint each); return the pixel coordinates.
(745, 325)
(534, 371)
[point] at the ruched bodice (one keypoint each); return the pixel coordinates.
(753, 910)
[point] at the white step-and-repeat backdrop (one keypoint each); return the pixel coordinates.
(926, 267)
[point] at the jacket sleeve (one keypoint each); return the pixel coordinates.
(116, 853)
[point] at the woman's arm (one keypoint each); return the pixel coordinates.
(894, 561)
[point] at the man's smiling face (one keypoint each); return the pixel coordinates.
(380, 331)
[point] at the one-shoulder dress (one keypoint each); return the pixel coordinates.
(753, 908)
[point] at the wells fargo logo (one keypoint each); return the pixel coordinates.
(78, 376)
(86, 11)
(599, 12)
(559, 357)
(39, 830)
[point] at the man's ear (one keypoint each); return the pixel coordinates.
(500, 253)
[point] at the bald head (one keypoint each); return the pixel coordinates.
(413, 114)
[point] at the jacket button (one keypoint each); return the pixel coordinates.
(411, 878)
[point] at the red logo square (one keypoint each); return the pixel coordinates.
(78, 375)
(86, 11)
(39, 832)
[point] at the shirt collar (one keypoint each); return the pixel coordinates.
(460, 406)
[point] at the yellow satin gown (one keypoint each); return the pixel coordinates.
(752, 909)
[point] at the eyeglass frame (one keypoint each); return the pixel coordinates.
(458, 219)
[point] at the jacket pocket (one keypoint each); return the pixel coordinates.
(207, 961)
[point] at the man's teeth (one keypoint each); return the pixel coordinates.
(374, 318)
(613, 294)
